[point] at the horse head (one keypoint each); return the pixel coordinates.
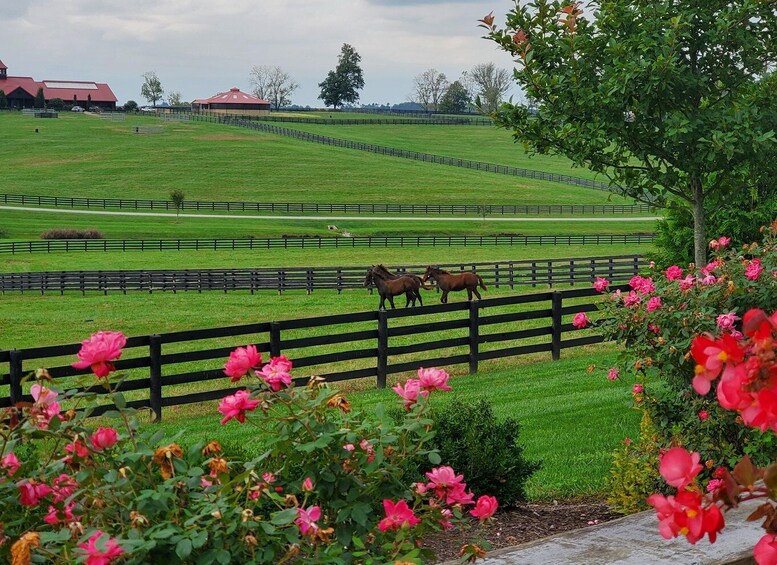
(369, 279)
(430, 271)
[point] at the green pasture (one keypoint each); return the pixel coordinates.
(224, 259)
(79, 155)
(27, 225)
(488, 144)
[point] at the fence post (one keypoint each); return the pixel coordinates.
(16, 374)
(474, 332)
(555, 336)
(382, 348)
(155, 375)
(275, 339)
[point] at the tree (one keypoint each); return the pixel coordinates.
(152, 88)
(177, 197)
(174, 98)
(428, 88)
(130, 106)
(491, 83)
(40, 100)
(57, 104)
(341, 85)
(272, 84)
(668, 99)
(3, 100)
(455, 100)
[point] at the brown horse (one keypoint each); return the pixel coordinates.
(388, 274)
(447, 282)
(389, 288)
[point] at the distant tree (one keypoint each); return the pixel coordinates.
(57, 104)
(152, 88)
(3, 100)
(341, 85)
(174, 98)
(492, 84)
(40, 100)
(428, 88)
(88, 101)
(177, 197)
(273, 84)
(469, 85)
(455, 100)
(130, 106)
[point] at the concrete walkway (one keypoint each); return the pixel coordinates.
(331, 218)
(634, 540)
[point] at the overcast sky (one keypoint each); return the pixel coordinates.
(201, 47)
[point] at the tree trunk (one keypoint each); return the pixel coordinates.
(699, 227)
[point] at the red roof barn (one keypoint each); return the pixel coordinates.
(21, 91)
(234, 101)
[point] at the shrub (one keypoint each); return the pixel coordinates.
(471, 439)
(71, 233)
(327, 487)
(3, 233)
(56, 104)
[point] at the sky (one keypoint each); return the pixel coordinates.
(201, 47)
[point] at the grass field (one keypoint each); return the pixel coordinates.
(216, 162)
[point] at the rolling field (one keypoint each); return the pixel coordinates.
(215, 162)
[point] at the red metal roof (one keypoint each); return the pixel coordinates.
(27, 84)
(100, 92)
(233, 96)
(2, 66)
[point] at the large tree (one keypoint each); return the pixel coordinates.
(668, 98)
(273, 84)
(174, 98)
(342, 84)
(429, 88)
(492, 83)
(152, 88)
(455, 100)
(40, 100)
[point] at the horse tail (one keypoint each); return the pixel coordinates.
(480, 280)
(426, 286)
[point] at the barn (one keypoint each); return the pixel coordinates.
(21, 91)
(234, 101)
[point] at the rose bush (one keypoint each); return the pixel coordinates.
(656, 319)
(331, 485)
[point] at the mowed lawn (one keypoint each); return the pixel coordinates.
(218, 162)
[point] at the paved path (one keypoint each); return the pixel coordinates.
(634, 540)
(333, 218)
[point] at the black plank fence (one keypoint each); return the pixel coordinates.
(431, 121)
(392, 152)
(499, 275)
(378, 338)
(330, 208)
(68, 245)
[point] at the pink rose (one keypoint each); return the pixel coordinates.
(277, 373)
(613, 374)
(31, 492)
(410, 392)
(55, 516)
(10, 463)
(714, 485)
(726, 321)
(715, 244)
(398, 515)
(103, 438)
(688, 282)
(673, 273)
(632, 299)
(307, 484)
(679, 467)
(723, 241)
(433, 379)
(236, 405)
(242, 360)
(753, 269)
(448, 487)
(99, 350)
(580, 320)
(709, 280)
(637, 388)
(654, 303)
(601, 284)
(307, 520)
(703, 415)
(485, 507)
(93, 553)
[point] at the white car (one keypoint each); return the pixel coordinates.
(77, 109)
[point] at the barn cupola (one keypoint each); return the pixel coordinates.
(3, 71)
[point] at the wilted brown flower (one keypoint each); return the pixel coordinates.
(76, 529)
(472, 552)
(138, 520)
(247, 514)
(489, 19)
(69, 415)
(250, 540)
(315, 381)
(42, 375)
(322, 535)
(290, 501)
(212, 448)
(339, 401)
(21, 550)
(164, 456)
(218, 466)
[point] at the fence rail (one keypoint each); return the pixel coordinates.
(433, 121)
(392, 152)
(503, 274)
(69, 245)
(161, 368)
(330, 208)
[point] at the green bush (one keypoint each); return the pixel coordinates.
(71, 233)
(485, 450)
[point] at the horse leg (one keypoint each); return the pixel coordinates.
(418, 294)
(382, 302)
(475, 290)
(408, 297)
(469, 294)
(444, 298)
(391, 300)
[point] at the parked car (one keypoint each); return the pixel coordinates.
(76, 109)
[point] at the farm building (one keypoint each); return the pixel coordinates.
(21, 91)
(233, 101)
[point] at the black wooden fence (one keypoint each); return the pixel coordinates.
(434, 121)
(503, 274)
(68, 245)
(374, 343)
(328, 208)
(392, 152)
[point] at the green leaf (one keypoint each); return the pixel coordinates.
(434, 458)
(284, 517)
(183, 548)
(119, 401)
